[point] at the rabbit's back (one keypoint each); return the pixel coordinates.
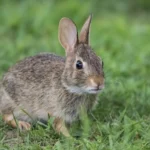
(37, 65)
(39, 68)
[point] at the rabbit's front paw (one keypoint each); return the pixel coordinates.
(60, 127)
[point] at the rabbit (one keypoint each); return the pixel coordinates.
(49, 85)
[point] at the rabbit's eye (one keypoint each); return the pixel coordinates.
(79, 65)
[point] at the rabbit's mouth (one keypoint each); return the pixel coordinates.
(95, 91)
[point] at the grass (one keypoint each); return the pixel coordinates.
(121, 120)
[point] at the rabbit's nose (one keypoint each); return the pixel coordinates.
(96, 81)
(99, 87)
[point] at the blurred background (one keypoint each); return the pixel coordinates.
(120, 34)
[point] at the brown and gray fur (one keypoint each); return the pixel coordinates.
(49, 84)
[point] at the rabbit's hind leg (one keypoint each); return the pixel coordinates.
(9, 119)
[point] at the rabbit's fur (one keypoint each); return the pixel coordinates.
(49, 84)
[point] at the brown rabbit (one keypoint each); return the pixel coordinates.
(49, 84)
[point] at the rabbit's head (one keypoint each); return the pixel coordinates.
(83, 72)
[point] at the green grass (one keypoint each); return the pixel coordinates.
(121, 120)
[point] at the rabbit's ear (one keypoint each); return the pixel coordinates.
(84, 34)
(67, 34)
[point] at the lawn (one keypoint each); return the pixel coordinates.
(121, 121)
